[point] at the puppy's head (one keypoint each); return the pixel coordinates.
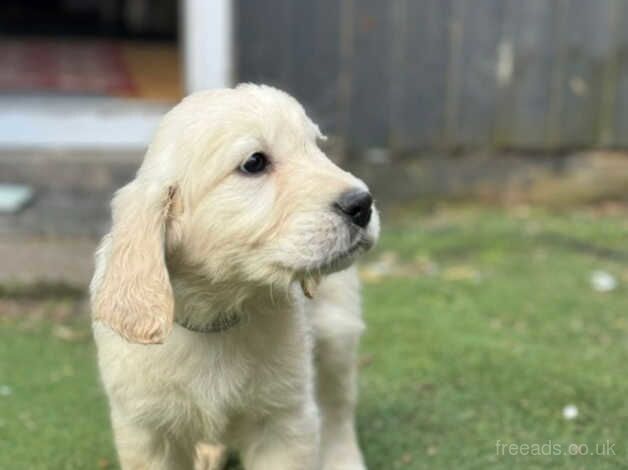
(234, 187)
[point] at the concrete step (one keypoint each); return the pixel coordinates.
(72, 190)
(53, 238)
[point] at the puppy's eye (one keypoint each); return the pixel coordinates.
(256, 163)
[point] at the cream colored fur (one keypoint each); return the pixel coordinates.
(193, 238)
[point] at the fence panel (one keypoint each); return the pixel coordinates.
(434, 74)
(419, 120)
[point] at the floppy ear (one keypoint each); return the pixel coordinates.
(131, 291)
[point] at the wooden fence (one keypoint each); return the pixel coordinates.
(445, 74)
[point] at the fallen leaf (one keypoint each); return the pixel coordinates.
(66, 333)
(461, 273)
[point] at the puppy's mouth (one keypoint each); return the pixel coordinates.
(311, 279)
(343, 259)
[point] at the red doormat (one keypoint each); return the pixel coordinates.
(94, 67)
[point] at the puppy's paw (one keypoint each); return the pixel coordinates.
(347, 461)
(344, 466)
(211, 457)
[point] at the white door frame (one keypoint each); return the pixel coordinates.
(207, 32)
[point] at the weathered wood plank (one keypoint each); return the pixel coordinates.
(419, 117)
(585, 44)
(481, 32)
(618, 74)
(263, 32)
(369, 107)
(525, 103)
(315, 54)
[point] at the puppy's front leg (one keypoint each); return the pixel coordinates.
(285, 442)
(337, 398)
(140, 448)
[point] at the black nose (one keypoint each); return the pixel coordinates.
(357, 205)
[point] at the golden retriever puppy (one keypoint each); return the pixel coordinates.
(225, 308)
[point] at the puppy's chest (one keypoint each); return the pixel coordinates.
(231, 376)
(247, 369)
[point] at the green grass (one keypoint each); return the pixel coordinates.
(52, 410)
(482, 327)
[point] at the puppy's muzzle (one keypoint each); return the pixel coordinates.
(356, 205)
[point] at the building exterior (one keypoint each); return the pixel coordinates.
(397, 75)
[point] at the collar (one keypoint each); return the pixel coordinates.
(219, 325)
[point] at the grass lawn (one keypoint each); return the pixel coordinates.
(483, 325)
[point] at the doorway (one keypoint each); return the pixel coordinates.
(119, 48)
